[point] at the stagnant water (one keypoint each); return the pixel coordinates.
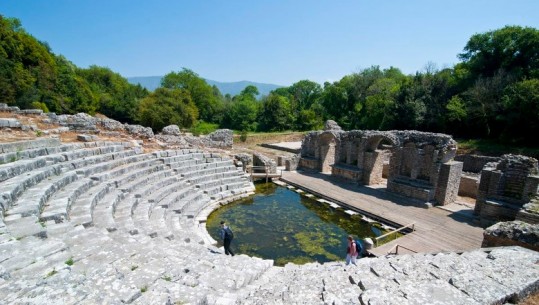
(282, 225)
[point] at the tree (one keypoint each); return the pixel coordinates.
(27, 68)
(275, 113)
(201, 93)
(165, 107)
(521, 113)
(513, 49)
(250, 92)
(117, 98)
(380, 104)
(242, 112)
(304, 94)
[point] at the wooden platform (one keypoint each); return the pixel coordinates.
(436, 229)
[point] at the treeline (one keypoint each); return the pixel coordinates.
(492, 93)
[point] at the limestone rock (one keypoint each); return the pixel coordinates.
(140, 131)
(331, 125)
(262, 160)
(512, 233)
(172, 130)
(86, 138)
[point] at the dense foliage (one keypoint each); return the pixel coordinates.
(492, 93)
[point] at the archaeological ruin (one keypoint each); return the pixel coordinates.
(420, 165)
(93, 211)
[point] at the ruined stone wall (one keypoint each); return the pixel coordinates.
(475, 163)
(468, 185)
(512, 233)
(505, 187)
(448, 182)
(415, 160)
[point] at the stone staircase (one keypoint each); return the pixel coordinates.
(105, 223)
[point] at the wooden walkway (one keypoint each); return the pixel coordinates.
(436, 229)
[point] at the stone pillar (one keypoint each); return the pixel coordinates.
(373, 163)
(488, 179)
(448, 182)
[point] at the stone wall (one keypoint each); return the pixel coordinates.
(449, 182)
(475, 163)
(260, 160)
(413, 160)
(468, 185)
(529, 212)
(512, 233)
(505, 187)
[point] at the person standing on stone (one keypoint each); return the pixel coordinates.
(351, 251)
(226, 237)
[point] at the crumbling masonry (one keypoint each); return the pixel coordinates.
(421, 164)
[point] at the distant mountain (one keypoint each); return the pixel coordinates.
(233, 88)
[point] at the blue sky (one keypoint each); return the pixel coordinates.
(279, 41)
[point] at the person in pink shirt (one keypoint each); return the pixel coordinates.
(351, 251)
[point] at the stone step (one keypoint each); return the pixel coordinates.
(23, 154)
(29, 145)
(32, 201)
(129, 164)
(60, 203)
(106, 165)
(184, 165)
(146, 179)
(208, 168)
(182, 157)
(102, 215)
(87, 162)
(82, 208)
(14, 187)
(211, 177)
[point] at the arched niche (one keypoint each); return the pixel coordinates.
(376, 152)
(329, 147)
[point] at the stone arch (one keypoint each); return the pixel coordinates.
(373, 142)
(373, 158)
(329, 147)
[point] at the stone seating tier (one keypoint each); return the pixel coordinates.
(106, 224)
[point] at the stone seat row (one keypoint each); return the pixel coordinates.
(65, 174)
(26, 173)
(72, 183)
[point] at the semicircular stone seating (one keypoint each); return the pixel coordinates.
(105, 223)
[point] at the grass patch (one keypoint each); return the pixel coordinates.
(203, 128)
(53, 272)
(167, 278)
(144, 288)
(493, 148)
(69, 262)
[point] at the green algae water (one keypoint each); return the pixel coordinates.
(280, 224)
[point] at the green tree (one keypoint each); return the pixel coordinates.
(27, 68)
(242, 112)
(513, 49)
(202, 94)
(380, 104)
(73, 94)
(117, 98)
(275, 114)
(250, 92)
(165, 107)
(521, 113)
(305, 93)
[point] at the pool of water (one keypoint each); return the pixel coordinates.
(280, 224)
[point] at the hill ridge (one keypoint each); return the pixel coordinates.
(233, 88)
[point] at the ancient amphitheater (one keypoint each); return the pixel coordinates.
(111, 222)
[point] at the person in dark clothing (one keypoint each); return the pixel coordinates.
(226, 237)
